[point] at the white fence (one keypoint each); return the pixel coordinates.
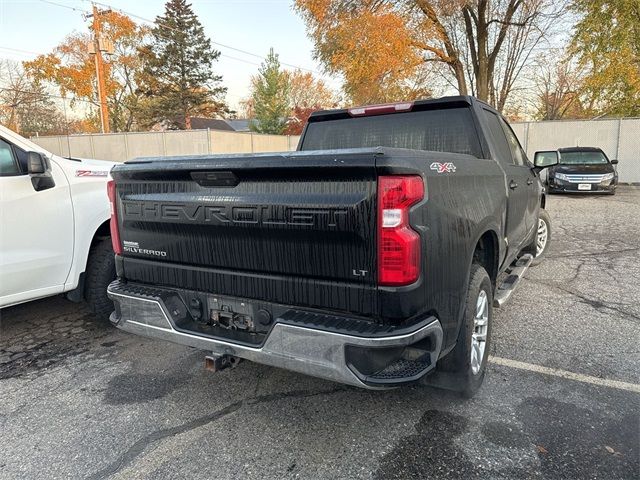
(619, 139)
(119, 147)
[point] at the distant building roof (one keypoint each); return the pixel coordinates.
(199, 123)
(235, 125)
(239, 124)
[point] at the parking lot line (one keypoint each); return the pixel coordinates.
(578, 377)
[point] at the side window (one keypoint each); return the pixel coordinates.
(501, 143)
(519, 157)
(23, 161)
(8, 163)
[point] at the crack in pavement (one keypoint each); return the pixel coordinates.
(593, 254)
(578, 271)
(597, 305)
(128, 457)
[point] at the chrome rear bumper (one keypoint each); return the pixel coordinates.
(311, 351)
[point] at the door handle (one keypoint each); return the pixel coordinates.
(529, 181)
(513, 185)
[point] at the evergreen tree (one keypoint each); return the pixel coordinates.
(270, 95)
(179, 77)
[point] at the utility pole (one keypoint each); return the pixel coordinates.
(96, 48)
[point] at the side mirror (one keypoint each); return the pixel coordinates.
(614, 162)
(37, 163)
(545, 159)
(39, 171)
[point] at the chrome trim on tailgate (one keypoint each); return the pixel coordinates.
(314, 352)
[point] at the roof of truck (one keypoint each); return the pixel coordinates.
(426, 104)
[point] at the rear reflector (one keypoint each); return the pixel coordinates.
(380, 109)
(115, 232)
(399, 250)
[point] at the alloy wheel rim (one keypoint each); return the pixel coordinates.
(479, 335)
(541, 237)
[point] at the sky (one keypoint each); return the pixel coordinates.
(32, 27)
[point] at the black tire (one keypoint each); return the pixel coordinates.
(548, 189)
(455, 371)
(533, 248)
(100, 272)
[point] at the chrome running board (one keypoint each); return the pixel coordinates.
(514, 273)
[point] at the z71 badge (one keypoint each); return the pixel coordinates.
(443, 167)
(91, 173)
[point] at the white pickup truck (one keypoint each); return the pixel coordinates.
(54, 226)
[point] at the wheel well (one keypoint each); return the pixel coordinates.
(486, 254)
(103, 231)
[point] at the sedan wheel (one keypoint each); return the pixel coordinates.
(542, 236)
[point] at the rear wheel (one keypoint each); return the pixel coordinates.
(101, 271)
(463, 369)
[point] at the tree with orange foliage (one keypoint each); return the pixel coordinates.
(307, 91)
(381, 45)
(298, 119)
(306, 95)
(71, 69)
(370, 45)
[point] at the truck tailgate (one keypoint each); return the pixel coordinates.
(296, 216)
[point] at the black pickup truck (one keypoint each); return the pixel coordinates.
(372, 256)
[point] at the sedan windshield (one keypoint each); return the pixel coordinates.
(582, 158)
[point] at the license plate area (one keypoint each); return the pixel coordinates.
(231, 314)
(229, 318)
(584, 186)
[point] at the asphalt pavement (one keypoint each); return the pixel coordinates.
(80, 399)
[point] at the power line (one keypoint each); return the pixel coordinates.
(167, 27)
(239, 50)
(240, 59)
(17, 50)
(65, 6)
(31, 52)
(74, 99)
(47, 95)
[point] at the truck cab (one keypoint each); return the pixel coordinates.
(54, 218)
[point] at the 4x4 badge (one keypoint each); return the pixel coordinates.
(443, 167)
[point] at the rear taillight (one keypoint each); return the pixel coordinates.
(398, 244)
(115, 232)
